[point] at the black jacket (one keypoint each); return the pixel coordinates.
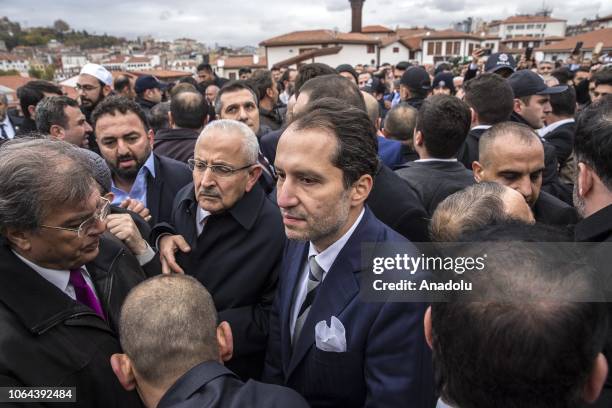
(145, 105)
(170, 177)
(394, 203)
(271, 119)
(177, 144)
(237, 258)
(209, 384)
(268, 143)
(48, 339)
(469, 151)
(433, 181)
(548, 209)
(562, 139)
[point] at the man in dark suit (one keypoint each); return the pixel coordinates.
(593, 197)
(326, 162)
(8, 125)
(126, 141)
(512, 154)
(442, 125)
(229, 236)
(561, 126)
(62, 278)
(29, 95)
(491, 100)
(187, 371)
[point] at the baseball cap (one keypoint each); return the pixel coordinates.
(444, 80)
(416, 78)
(147, 82)
(375, 85)
(99, 72)
(500, 60)
(526, 83)
(349, 69)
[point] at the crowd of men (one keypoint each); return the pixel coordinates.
(201, 243)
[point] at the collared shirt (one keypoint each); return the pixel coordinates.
(325, 260)
(8, 128)
(553, 126)
(201, 217)
(442, 404)
(436, 160)
(59, 278)
(139, 188)
(479, 127)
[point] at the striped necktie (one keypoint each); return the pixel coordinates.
(315, 275)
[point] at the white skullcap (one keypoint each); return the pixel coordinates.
(99, 72)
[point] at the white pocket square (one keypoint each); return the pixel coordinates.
(330, 338)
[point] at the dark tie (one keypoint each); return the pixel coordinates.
(84, 294)
(315, 274)
(3, 135)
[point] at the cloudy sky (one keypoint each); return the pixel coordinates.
(247, 22)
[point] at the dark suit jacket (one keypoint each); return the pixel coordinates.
(170, 177)
(268, 143)
(433, 181)
(469, 151)
(210, 384)
(177, 144)
(549, 209)
(50, 340)
(394, 203)
(562, 139)
(237, 258)
(387, 363)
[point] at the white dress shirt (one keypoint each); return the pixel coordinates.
(59, 278)
(201, 217)
(325, 260)
(553, 126)
(8, 128)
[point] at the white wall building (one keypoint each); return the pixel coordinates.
(73, 61)
(13, 62)
(528, 26)
(444, 45)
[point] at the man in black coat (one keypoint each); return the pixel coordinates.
(125, 142)
(62, 282)
(187, 371)
(442, 125)
(593, 199)
(512, 154)
(229, 236)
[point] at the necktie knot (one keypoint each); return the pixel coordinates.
(316, 272)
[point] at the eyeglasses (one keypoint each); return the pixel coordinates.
(83, 229)
(220, 170)
(86, 88)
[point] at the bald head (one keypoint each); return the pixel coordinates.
(372, 107)
(188, 109)
(400, 122)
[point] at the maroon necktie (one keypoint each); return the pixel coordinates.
(84, 294)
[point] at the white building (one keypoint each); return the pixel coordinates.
(73, 61)
(228, 67)
(444, 45)
(13, 62)
(394, 49)
(138, 64)
(528, 26)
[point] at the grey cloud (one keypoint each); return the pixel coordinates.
(337, 5)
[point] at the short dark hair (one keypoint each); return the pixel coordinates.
(117, 103)
(603, 77)
(563, 75)
(491, 96)
(592, 141)
(188, 80)
(244, 70)
(518, 130)
(355, 133)
(50, 111)
(444, 122)
(234, 86)
(535, 351)
(309, 71)
(158, 116)
(334, 86)
(32, 93)
(188, 110)
(204, 67)
(121, 82)
(261, 81)
(564, 103)
(400, 122)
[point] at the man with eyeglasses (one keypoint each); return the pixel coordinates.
(229, 235)
(62, 278)
(93, 85)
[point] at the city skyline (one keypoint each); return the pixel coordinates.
(258, 20)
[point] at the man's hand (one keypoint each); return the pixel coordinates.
(476, 54)
(136, 206)
(168, 245)
(124, 228)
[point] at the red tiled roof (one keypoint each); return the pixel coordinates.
(136, 60)
(14, 81)
(605, 18)
(589, 40)
(409, 32)
(10, 57)
(161, 73)
(370, 29)
(319, 52)
(318, 37)
(531, 19)
(244, 61)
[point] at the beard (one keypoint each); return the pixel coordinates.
(129, 173)
(578, 201)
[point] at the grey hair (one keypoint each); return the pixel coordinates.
(38, 176)
(250, 145)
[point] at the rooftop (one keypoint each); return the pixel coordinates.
(371, 29)
(243, 61)
(531, 19)
(589, 40)
(318, 37)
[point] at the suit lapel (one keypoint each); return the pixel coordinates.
(154, 190)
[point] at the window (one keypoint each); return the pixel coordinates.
(457, 48)
(538, 25)
(371, 49)
(232, 75)
(529, 26)
(303, 50)
(395, 50)
(449, 48)
(430, 48)
(543, 25)
(520, 26)
(471, 48)
(438, 47)
(510, 27)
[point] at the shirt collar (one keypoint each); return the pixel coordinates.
(150, 164)
(435, 160)
(553, 126)
(326, 258)
(478, 127)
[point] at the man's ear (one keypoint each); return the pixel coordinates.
(57, 132)
(270, 93)
(418, 138)
(596, 379)
(106, 89)
(32, 110)
(427, 327)
(254, 175)
(475, 117)
(151, 136)
(584, 179)
(518, 105)
(361, 189)
(19, 239)
(478, 171)
(225, 341)
(122, 367)
(170, 119)
(110, 196)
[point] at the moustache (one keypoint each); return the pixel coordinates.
(125, 158)
(209, 192)
(293, 214)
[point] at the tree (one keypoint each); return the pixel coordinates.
(61, 26)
